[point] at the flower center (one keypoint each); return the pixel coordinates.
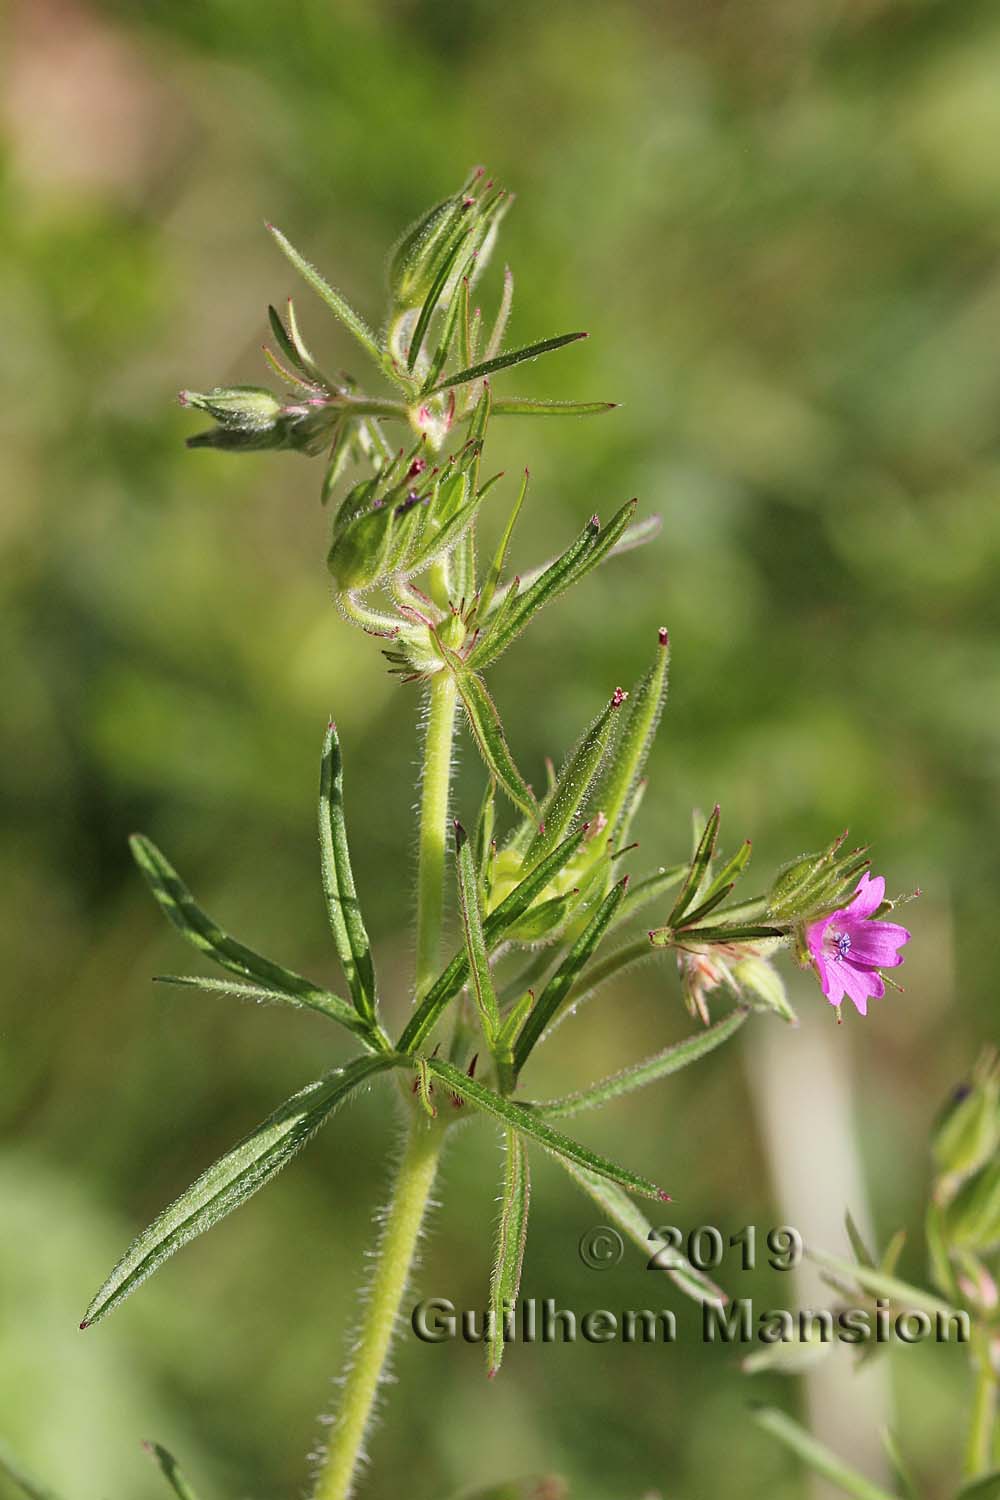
(843, 942)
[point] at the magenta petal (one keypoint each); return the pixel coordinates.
(876, 943)
(861, 985)
(814, 938)
(868, 896)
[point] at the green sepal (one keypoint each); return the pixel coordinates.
(526, 1122)
(697, 870)
(346, 922)
(512, 1231)
(232, 1179)
(203, 933)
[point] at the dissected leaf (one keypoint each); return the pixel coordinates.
(181, 909)
(232, 1179)
(512, 1231)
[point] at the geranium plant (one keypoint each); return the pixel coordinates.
(547, 907)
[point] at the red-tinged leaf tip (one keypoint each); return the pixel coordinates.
(663, 1197)
(461, 837)
(664, 635)
(491, 1373)
(595, 521)
(184, 398)
(471, 1069)
(625, 881)
(618, 697)
(84, 1325)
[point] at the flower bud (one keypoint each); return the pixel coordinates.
(967, 1133)
(972, 1218)
(441, 245)
(814, 883)
(760, 983)
(250, 417)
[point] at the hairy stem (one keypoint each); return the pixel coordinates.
(404, 1217)
(434, 826)
(982, 1428)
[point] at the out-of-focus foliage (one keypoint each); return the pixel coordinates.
(780, 225)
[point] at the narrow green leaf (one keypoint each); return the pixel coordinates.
(232, 987)
(526, 1121)
(500, 557)
(631, 1219)
(569, 798)
(558, 987)
(26, 1483)
(475, 942)
(528, 406)
(487, 731)
(512, 1232)
(232, 1179)
(334, 300)
(180, 908)
(503, 361)
(900, 1467)
(495, 928)
(862, 1254)
(590, 547)
(170, 1471)
(636, 732)
(816, 1455)
(893, 1251)
(482, 845)
(881, 1285)
(640, 1074)
(987, 1487)
(346, 922)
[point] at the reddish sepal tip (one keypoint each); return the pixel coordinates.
(663, 1197)
(84, 1325)
(664, 635)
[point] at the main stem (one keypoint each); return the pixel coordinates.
(434, 825)
(979, 1449)
(414, 1179)
(424, 1138)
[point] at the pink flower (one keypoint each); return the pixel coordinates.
(849, 947)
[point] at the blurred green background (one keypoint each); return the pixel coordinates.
(780, 224)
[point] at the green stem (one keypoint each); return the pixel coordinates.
(979, 1448)
(414, 1180)
(434, 826)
